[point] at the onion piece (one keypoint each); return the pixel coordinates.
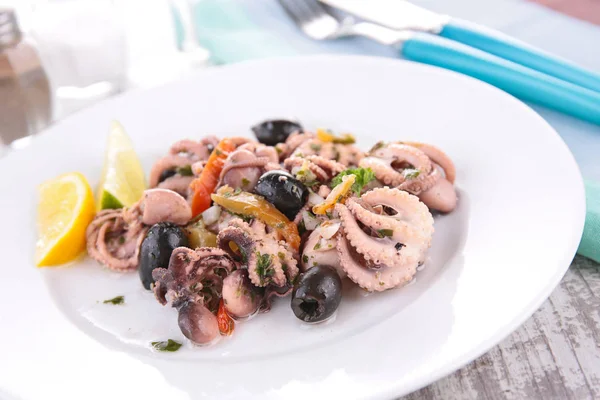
(314, 199)
(211, 215)
(310, 221)
(329, 228)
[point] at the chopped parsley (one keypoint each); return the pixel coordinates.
(185, 171)
(237, 191)
(411, 173)
(363, 177)
(121, 239)
(305, 258)
(264, 267)
(398, 246)
(115, 300)
(166, 345)
(315, 146)
(317, 246)
(377, 146)
(245, 182)
(345, 138)
(385, 233)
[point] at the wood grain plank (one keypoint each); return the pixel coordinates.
(554, 355)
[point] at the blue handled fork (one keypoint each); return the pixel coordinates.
(523, 82)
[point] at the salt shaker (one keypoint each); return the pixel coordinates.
(25, 97)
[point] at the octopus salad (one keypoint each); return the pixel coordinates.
(229, 225)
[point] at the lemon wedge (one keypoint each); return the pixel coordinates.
(122, 182)
(65, 209)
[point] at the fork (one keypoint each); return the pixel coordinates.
(526, 83)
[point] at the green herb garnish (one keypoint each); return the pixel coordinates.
(376, 147)
(385, 233)
(168, 345)
(115, 300)
(411, 173)
(317, 246)
(363, 177)
(315, 146)
(305, 258)
(245, 182)
(185, 171)
(264, 269)
(345, 138)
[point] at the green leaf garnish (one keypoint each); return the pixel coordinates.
(363, 177)
(185, 171)
(376, 147)
(166, 345)
(411, 173)
(115, 300)
(385, 232)
(264, 268)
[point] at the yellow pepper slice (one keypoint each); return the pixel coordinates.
(254, 206)
(325, 136)
(337, 195)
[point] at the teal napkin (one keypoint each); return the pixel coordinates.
(237, 30)
(590, 241)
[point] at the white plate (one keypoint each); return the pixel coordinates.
(493, 261)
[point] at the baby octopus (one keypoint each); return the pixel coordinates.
(308, 144)
(418, 168)
(114, 237)
(174, 171)
(384, 237)
(192, 284)
(270, 261)
(247, 163)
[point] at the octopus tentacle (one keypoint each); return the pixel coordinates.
(418, 168)
(321, 251)
(195, 150)
(168, 162)
(294, 164)
(383, 162)
(178, 184)
(114, 237)
(437, 156)
(193, 283)
(384, 237)
(182, 154)
(416, 186)
(114, 243)
(246, 164)
(270, 261)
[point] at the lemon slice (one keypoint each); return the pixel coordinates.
(65, 209)
(122, 182)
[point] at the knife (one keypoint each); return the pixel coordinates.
(403, 15)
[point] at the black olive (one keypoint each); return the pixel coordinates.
(166, 174)
(156, 249)
(317, 294)
(273, 131)
(284, 191)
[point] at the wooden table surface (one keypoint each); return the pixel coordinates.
(554, 355)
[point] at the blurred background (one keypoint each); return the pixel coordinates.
(59, 56)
